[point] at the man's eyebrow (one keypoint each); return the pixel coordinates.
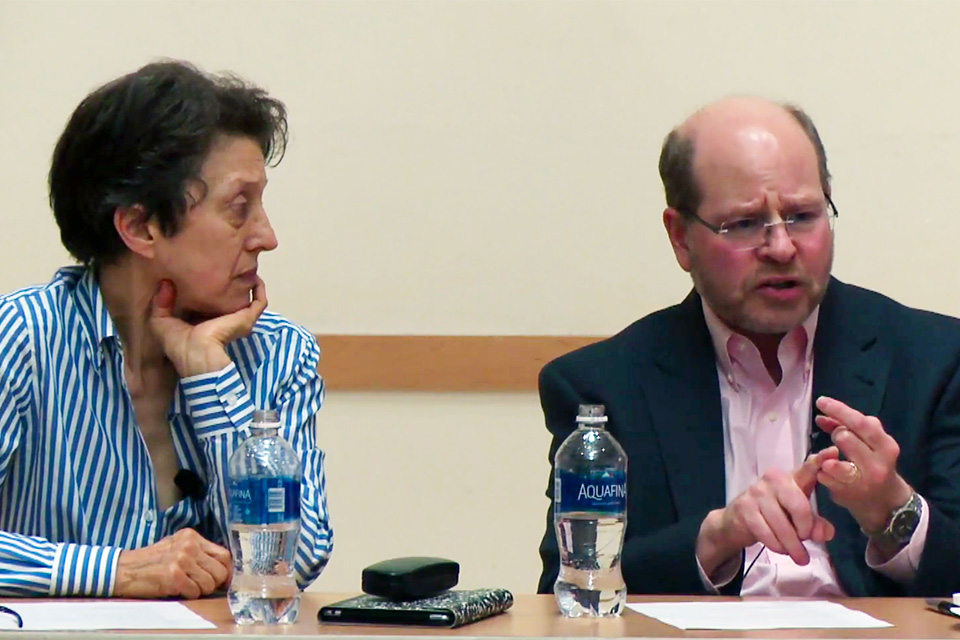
(786, 204)
(752, 209)
(802, 203)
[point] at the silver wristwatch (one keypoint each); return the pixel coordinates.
(902, 523)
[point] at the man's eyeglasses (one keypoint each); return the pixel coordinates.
(12, 616)
(753, 231)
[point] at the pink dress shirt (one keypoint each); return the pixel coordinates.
(765, 426)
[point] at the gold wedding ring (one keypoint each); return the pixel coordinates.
(853, 475)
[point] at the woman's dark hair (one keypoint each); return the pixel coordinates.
(141, 140)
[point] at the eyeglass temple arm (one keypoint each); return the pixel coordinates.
(836, 213)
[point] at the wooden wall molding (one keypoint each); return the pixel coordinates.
(439, 363)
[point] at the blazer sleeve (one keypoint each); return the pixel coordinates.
(939, 569)
(658, 561)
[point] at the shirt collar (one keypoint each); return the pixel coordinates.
(723, 338)
(93, 313)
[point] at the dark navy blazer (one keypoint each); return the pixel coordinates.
(658, 380)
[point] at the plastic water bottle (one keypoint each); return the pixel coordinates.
(264, 500)
(590, 516)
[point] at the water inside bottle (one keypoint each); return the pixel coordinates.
(590, 582)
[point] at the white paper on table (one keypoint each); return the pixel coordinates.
(88, 616)
(779, 614)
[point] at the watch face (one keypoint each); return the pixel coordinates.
(904, 524)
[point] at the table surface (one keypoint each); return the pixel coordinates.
(536, 617)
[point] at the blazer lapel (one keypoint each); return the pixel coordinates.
(848, 362)
(852, 366)
(685, 406)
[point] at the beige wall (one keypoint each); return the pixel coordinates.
(489, 167)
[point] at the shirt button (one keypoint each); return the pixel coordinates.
(149, 516)
(772, 417)
(231, 399)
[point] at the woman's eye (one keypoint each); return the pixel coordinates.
(240, 207)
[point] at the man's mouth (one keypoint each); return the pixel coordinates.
(780, 284)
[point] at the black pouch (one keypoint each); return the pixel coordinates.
(449, 609)
(410, 578)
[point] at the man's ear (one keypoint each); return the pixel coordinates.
(136, 229)
(677, 227)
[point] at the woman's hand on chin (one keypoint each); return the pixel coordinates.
(200, 347)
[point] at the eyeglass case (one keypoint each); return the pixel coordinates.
(410, 578)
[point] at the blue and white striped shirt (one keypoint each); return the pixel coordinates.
(76, 483)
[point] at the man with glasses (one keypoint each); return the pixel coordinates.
(735, 486)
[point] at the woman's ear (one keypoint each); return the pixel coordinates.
(135, 229)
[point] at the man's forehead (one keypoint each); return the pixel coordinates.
(739, 142)
(730, 126)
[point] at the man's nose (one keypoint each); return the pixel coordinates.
(779, 245)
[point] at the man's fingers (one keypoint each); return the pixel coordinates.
(827, 423)
(838, 410)
(838, 416)
(785, 534)
(864, 441)
(838, 474)
(781, 516)
(806, 476)
(823, 530)
(830, 453)
(852, 446)
(759, 529)
(866, 428)
(798, 510)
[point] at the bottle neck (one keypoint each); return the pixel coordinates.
(599, 426)
(260, 430)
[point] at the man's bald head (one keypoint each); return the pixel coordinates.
(714, 125)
